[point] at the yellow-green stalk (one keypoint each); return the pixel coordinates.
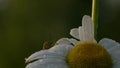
(90, 54)
(95, 6)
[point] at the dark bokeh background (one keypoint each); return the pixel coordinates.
(26, 24)
(109, 16)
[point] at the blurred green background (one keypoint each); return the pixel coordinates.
(26, 24)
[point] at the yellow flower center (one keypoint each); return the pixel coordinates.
(89, 55)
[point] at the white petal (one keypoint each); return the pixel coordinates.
(36, 55)
(113, 48)
(61, 49)
(108, 43)
(44, 54)
(115, 53)
(63, 41)
(66, 41)
(48, 63)
(88, 28)
(81, 34)
(116, 65)
(74, 32)
(74, 41)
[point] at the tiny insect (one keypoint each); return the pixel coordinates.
(47, 45)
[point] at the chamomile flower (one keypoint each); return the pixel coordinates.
(87, 53)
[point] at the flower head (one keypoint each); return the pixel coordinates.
(85, 53)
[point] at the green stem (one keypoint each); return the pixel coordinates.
(95, 4)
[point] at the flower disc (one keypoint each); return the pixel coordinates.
(89, 55)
